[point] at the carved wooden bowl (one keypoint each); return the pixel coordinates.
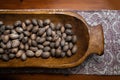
(90, 39)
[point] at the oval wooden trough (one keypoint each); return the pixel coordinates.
(90, 39)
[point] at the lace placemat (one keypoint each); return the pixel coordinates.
(108, 63)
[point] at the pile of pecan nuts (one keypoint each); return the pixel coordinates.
(36, 38)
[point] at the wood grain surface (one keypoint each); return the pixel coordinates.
(55, 77)
(59, 4)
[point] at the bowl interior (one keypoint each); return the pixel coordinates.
(79, 28)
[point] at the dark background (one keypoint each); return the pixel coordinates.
(59, 4)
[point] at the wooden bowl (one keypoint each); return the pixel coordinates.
(90, 39)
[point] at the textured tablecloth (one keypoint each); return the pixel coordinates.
(108, 63)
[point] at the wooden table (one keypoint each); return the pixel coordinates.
(63, 4)
(58, 4)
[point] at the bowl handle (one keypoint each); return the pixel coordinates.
(96, 42)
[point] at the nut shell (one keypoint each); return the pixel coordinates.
(11, 56)
(46, 21)
(53, 51)
(38, 53)
(35, 29)
(46, 43)
(65, 48)
(41, 31)
(5, 57)
(52, 26)
(23, 57)
(5, 38)
(47, 48)
(19, 30)
(27, 22)
(1, 50)
(40, 40)
(74, 49)
(34, 22)
(9, 45)
(40, 46)
(68, 32)
(29, 27)
(74, 39)
(68, 26)
(14, 50)
(15, 43)
(19, 53)
(58, 52)
(33, 49)
(45, 55)
(40, 23)
(30, 53)
(69, 53)
(49, 32)
(14, 36)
